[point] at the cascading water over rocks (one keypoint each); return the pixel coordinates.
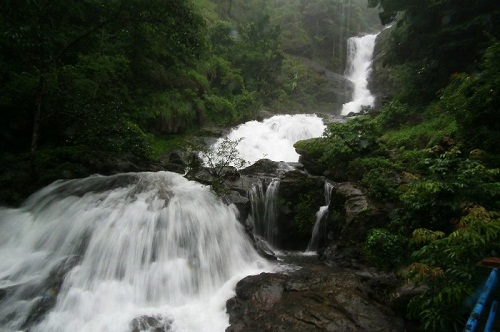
(131, 251)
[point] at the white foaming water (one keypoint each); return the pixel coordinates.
(265, 210)
(274, 138)
(359, 62)
(323, 210)
(102, 252)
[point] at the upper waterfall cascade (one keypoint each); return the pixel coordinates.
(359, 64)
(102, 252)
(274, 138)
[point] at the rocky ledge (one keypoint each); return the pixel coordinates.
(314, 298)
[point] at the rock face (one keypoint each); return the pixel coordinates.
(356, 212)
(315, 298)
(300, 196)
(352, 215)
(380, 83)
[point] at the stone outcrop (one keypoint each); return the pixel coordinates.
(299, 198)
(315, 298)
(352, 215)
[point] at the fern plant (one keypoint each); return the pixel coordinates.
(446, 264)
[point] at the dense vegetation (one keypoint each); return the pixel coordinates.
(433, 152)
(83, 82)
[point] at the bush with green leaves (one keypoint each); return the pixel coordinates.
(446, 265)
(473, 101)
(394, 114)
(342, 142)
(434, 200)
(219, 158)
(345, 141)
(385, 249)
(305, 214)
(380, 175)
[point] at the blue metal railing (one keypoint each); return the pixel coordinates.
(473, 321)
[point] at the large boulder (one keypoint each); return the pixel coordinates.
(358, 213)
(352, 215)
(316, 298)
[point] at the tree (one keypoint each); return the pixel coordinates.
(74, 67)
(432, 39)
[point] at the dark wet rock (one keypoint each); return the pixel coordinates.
(352, 215)
(206, 175)
(151, 323)
(263, 249)
(175, 161)
(242, 204)
(316, 298)
(300, 196)
(201, 175)
(401, 296)
(309, 158)
(360, 213)
(229, 173)
(262, 166)
(244, 183)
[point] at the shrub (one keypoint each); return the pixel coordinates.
(385, 249)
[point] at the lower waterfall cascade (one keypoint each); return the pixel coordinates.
(264, 209)
(121, 253)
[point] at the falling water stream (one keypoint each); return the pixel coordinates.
(102, 253)
(320, 215)
(264, 209)
(140, 251)
(359, 62)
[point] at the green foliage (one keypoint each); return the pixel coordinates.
(321, 28)
(219, 158)
(433, 39)
(475, 237)
(432, 202)
(422, 236)
(350, 138)
(305, 214)
(421, 135)
(91, 65)
(385, 249)
(394, 114)
(380, 175)
(474, 104)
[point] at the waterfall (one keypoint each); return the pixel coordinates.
(359, 61)
(264, 209)
(129, 252)
(323, 210)
(274, 138)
